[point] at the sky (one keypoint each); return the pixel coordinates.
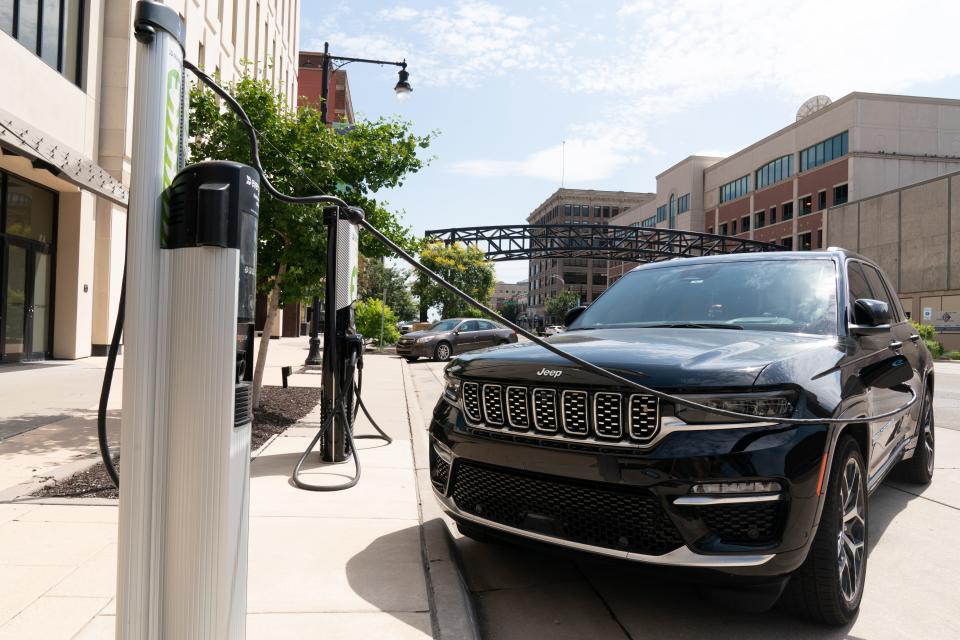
(607, 94)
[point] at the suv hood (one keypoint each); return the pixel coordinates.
(659, 357)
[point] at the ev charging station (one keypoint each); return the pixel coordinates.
(190, 286)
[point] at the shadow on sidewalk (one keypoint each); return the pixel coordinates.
(382, 574)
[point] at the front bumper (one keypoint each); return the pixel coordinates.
(414, 349)
(635, 504)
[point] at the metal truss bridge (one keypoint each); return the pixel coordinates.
(630, 244)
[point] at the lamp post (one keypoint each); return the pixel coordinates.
(403, 90)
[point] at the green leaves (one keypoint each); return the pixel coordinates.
(558, 305)
(368, 315)
(301, 156)
(465, 267)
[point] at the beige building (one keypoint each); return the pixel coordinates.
(587, 278)
(65, 131)
(778, 188)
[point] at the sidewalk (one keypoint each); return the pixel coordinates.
(348, 564)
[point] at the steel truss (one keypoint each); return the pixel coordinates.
(629, 244)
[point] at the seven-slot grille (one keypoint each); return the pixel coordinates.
(600, 416)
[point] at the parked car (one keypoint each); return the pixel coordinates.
(452, 336)
(405, 326)
(552, 330)
(526, 445)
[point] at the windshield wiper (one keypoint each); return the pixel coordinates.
(692, 325)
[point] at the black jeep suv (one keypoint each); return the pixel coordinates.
(524, 444)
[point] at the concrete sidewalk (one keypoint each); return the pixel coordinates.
(349, 564)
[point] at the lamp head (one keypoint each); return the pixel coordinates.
(403, 88)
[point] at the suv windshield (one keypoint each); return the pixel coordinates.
(798, 296)
(445, 325)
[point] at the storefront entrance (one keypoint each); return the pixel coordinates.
(27, 249)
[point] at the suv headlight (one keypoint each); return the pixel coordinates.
(425, 339)
(451, 391)
(765, 406)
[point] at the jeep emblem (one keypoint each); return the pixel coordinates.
(553, 373)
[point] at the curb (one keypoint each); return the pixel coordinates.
(452, 612)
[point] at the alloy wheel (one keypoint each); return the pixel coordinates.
(928, 436)
(851, 539)
(443, 352)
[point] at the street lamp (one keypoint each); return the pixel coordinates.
(403, 90)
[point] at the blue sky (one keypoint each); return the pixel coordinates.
(631, 86)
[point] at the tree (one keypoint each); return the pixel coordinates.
(368, 315)
(301, 155)
(375, 276)
(464, 267)
(509, 310)
(558, 305)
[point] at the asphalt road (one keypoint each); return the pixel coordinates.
(912, 577)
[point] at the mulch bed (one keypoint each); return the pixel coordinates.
(279, 408)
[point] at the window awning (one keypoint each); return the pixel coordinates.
(67, 164)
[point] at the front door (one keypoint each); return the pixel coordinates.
(25, 303)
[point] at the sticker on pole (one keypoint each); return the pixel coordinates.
(348, 265)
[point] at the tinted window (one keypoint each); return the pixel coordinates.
(879, 289)
(857, 283)
(486, 325)
(772, 295)
(445, 325)
(471, 325)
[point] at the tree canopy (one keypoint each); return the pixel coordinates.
(376, 276)
(302, 156)
(558, 305)
(463, 266)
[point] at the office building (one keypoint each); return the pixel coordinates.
(66, 124)
(587, 278)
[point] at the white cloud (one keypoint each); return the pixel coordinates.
(660, 57)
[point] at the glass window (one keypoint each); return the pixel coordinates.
(6, 16)
(30, 211)
(27, 21)
(857, 283)
(773, 215)
(745, 224)
(787, 243)
(821, 200)
(787, 211)
(840, 194)
(50, 33)
(566, 210)
(806, 242)
(759, 219)
(723, 229)
(733, 227)
(806, 205)
(880, 290)
(801, 299)
(486, 325)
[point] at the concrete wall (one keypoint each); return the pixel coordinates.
(913, 233)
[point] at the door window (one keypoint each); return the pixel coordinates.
(879, 290)
(486, 325)
(470, 325)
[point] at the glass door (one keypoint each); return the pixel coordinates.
(26, 301)
(14, 301)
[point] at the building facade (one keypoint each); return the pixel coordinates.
(504, 292)
(587, 278)
(778, 189)
(69, 83)
(310, 82)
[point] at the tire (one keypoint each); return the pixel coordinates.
(919, 468)
(442, 352)
(828, 586)
(411, 358)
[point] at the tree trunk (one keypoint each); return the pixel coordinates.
(273, 303)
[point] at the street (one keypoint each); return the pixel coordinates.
(911, 577)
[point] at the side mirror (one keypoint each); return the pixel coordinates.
(572, 315)
(870, 317)
(887, 374)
